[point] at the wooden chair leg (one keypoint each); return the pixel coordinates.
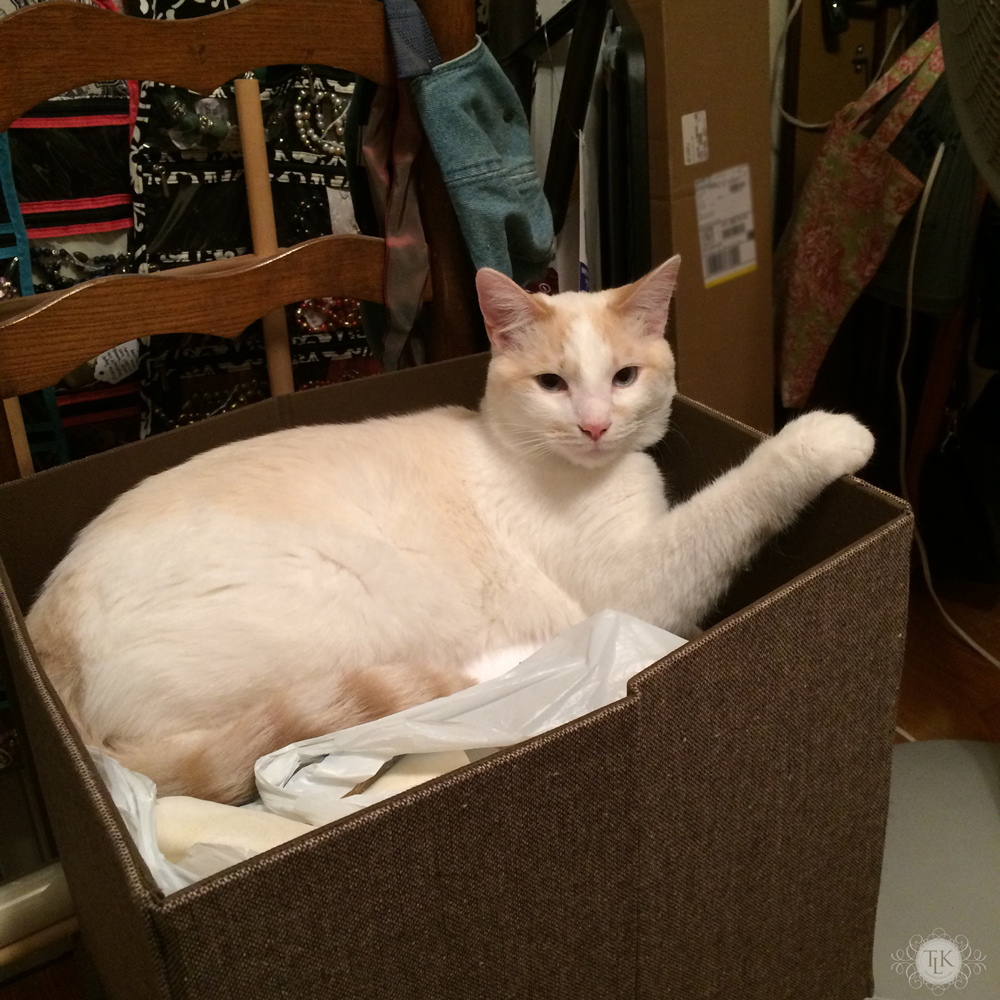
(14, 443)
(265, 238)
(941, 373)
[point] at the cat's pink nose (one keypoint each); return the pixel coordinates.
(594, 431)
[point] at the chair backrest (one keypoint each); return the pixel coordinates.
(51, 47)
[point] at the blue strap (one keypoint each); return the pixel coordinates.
(16, 224)
(412, 42)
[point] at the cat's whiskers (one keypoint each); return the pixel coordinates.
(533, 448)
(528, 441)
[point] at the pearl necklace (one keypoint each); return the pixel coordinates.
(312, 124)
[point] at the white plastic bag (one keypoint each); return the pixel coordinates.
(586, 667)
(135, 796)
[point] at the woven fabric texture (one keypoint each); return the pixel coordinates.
(101, 865)
(412, 42)
(766, 795)
(715, 834)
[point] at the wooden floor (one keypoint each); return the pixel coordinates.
(948, 692)
(59, 980)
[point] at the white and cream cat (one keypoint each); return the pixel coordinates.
(303, 581)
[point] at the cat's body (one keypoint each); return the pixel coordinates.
(300, 582)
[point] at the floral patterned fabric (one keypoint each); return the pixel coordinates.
(854, 197)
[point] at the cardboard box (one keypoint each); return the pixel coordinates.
(712, 60)
(716, 833)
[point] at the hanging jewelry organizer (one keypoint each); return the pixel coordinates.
(191, 207)
(83, 44)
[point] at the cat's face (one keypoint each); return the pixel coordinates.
(587, 376)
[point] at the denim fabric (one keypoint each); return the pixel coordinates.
(412, 42)
(477, 129)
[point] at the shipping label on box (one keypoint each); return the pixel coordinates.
(725, 225)
(694, 135)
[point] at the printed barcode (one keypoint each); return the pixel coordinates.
(722, 260)
(733, 230)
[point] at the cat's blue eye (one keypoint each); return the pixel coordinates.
(551, 382)
(626, 376)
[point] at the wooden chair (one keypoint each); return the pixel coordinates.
(52, 47)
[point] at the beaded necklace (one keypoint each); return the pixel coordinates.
(54, 264)
(312, 123)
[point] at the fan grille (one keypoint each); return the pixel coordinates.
(970, 38)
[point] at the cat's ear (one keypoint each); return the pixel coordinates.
(509, 311)
(648, 299)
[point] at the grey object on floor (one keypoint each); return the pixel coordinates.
(940, 874)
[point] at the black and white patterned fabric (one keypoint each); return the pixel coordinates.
(189, 198)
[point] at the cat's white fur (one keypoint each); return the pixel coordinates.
(303, 581)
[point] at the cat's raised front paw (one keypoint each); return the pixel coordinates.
(834, 443)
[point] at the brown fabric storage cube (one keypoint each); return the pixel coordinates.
(716, 834)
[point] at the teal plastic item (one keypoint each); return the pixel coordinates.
(13, 225)
(45, 436)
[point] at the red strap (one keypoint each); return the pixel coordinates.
(83, 227)
(71, 121)
(74, 204)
